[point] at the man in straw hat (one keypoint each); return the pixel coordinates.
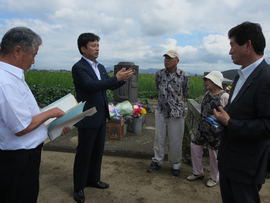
(172, 84)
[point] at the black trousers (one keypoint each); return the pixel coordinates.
(88, 159)
(237, 192)
(19, 175)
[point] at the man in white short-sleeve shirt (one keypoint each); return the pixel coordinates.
(18, 106)
(22, 129)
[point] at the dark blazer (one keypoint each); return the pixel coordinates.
(243, 152)
(88, 88)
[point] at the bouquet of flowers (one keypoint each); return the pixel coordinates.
(228, 89)
(138, 110)
(121, 109)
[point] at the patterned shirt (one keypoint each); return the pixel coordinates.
(207, 134)
(172, 89)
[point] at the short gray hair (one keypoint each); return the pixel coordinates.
(19, 36)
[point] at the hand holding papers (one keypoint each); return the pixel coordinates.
(74, 113)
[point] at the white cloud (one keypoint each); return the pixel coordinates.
(137, 31)
(216, 44)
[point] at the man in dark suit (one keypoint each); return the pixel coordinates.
(91, 82)
(244, 147)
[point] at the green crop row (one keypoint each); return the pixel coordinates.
(50, 86)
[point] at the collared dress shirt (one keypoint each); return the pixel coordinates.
(172, 89)
(243, 75)
(17, 107)
(94, 66)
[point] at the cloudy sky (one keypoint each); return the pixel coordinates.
(138, 31)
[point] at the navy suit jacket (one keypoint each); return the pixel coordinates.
(88, 88)
(244, 148)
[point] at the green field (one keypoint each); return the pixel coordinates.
(49, 78)
(50, 86)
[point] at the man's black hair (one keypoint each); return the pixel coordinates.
(249, 31)
(84, 38)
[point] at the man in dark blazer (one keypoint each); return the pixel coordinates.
(244, 148)
(91, 82)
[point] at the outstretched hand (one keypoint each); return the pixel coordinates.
(222, 116)
(124, 74)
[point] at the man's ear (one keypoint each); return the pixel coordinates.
(17, 51)
(83, 49)
(249, 46)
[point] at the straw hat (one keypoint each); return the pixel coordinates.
(216, 77)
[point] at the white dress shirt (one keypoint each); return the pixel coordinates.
(243, 75)
(17, 107)
(94, 66)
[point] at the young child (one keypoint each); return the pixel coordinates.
(208, 135)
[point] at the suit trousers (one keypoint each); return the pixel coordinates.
(19, 175)
(237, 192)
(196, 158)
(88, 159)
(173, 128)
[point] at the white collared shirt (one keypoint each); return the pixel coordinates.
(17, 107)
(94, 66)
(243, 75)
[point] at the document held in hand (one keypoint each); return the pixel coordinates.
(73, 114)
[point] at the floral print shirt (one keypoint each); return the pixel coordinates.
(172, 89)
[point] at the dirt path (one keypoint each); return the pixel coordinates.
(129, 183)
